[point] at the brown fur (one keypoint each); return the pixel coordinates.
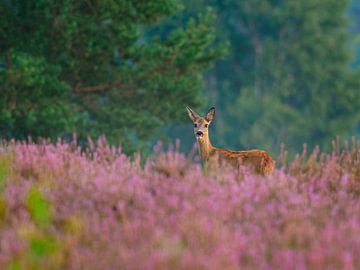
(260, 161)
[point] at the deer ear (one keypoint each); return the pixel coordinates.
(193, 115)
(210, 115)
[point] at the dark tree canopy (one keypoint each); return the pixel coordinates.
(94, 67)
(126, 68)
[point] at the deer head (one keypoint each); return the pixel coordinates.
(201, 124)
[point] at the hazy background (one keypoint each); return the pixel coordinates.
(278, 71)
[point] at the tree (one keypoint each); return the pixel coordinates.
(95, 68)
(287, 78)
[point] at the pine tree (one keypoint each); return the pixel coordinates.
(93, 67)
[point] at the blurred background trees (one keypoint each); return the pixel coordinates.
(287, 77)
(93, 67)
(126, 69)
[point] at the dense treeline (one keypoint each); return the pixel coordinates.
(292, 83)
(93, 67)
(126, 68)
(287, 77)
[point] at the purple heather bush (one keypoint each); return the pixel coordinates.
(64, 208)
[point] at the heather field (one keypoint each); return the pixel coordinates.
(63, 208)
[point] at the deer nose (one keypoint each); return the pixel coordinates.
(199, 133)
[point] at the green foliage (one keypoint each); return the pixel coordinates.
(287, 78)
(41, 246)
(94, 67)
(268, 117)
(126, 68)
(15, 265)
(5, 170)
(33, 100)
(6, 164)
(353, 12)
(2, 210)
(39, 208)
(43, 249)
(42, 253)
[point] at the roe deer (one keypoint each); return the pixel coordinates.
(260, 161)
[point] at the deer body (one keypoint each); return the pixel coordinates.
(260, 161)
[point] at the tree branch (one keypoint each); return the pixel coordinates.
(100, 88)
(95, 88)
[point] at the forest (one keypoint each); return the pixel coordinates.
(278, 72)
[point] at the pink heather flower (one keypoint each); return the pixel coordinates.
(108, 211)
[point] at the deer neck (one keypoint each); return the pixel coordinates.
(205, 147)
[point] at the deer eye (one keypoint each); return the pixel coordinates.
(206, 125)
(195, 125)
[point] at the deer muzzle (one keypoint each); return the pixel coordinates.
(199, 134)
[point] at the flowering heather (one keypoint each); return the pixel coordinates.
(63, 208)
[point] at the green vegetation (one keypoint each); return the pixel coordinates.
(5, 171)
(127, 68)
(38, 207)
(93, 67)
(287, 78)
